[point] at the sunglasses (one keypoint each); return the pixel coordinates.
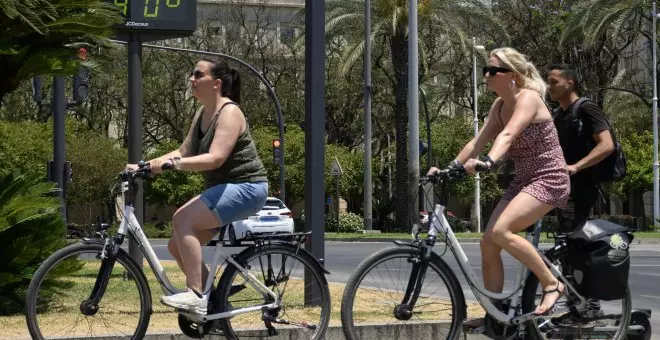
(197, 74)
(493, 70)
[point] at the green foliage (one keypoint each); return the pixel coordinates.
(638, 148)
(41, 36)
(348, 223)
(95, 160)
(30, 230)
(449, 135)
(294, 157)
(172, 187)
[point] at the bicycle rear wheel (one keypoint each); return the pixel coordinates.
(375, 295)
(599, 320)
(56, 304)
(294, 276)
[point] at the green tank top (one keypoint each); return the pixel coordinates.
(243, 164)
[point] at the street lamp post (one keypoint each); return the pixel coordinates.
(477, 179)
(656, 177)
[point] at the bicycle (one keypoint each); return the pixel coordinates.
(104, 291)
(417, 308)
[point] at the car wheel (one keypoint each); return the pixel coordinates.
(232, 237)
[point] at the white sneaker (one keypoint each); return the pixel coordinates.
(187, 300)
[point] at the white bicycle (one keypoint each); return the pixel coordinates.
(411, 288)
(94, 287)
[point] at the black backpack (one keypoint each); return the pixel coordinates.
(613, 167)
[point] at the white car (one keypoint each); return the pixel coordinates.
(273, 218)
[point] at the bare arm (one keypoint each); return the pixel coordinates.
(183, 150)
(488, 131)
(604, 147)
(523, 114)
(227, 129)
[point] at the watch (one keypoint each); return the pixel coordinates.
(176, 162)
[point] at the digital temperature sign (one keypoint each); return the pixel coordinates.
(157, 15)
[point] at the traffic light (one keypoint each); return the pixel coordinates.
(81, 79)
(276, 151)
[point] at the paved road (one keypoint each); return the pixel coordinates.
(341, 259)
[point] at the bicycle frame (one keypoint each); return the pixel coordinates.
(439, 223)
(130, 223)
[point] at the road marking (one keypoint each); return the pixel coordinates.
(650, 296)
(650, 274)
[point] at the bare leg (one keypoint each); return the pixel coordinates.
(492, 268)
(193, 221)
(204, 237)
(523, 211)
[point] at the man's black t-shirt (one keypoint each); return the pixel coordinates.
(576, 146)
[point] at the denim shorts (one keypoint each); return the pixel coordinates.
(235, 201)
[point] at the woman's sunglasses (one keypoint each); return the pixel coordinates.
(197, 74)
(493, 70)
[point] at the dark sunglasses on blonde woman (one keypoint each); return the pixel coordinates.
(493, 70)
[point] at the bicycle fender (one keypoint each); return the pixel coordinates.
(294, 248)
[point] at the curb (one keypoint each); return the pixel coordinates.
(375, 331)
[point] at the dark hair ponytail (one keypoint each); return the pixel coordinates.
(230, 78)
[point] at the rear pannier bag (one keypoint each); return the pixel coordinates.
(600, 259)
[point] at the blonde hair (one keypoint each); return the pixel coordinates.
(529, 76)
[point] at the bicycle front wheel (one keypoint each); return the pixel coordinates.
(376, 295)
(56, 304)
(298, 281)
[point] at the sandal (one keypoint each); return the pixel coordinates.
(546, 292)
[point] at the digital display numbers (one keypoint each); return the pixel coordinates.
(157, 15)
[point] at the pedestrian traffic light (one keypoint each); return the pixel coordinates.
(81, 79)
(276, 151)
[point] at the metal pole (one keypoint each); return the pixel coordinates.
(656, 179)
(269, 87)
(135, 128)
(477, 178)
(413, 111)
(367, 117)
(314, 131)
(337, 201)
(429, 156)
(59, 143)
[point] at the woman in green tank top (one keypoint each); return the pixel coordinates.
(218, 145)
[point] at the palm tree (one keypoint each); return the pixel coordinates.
(596, 36)
(40, 36)
(446, 22)
(594, 20)
(30, 230)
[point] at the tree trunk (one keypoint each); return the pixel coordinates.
(399, 48)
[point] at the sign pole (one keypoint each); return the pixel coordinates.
(337, 201)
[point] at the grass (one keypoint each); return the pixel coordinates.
(121, 315)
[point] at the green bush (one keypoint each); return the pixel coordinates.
(348, 223)
(158, 230)
(31, 229)
(631, 222)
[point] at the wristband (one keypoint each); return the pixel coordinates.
(176, 162)
(489, 161)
